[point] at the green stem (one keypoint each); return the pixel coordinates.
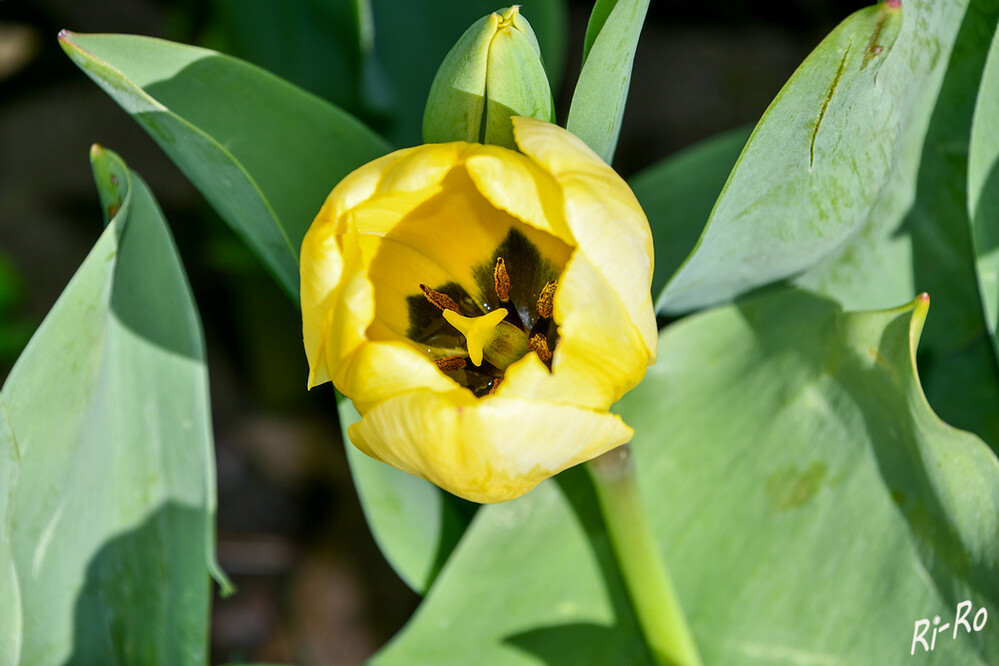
(642, 566)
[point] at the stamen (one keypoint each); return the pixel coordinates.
(443, 301)
(495, 385)
(539, 345)
(547, 299)
(502, 280)
(450, 363)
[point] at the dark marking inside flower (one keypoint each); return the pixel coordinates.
(528, 272)
(516, 270)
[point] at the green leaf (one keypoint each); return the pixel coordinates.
(11, 621)
(962, 385)
(983, 190)
(533, 582)
(917, 239)
(598, 101)
(823, 162)
(809, 504)
(106, 427)
(430, 29)
(264, 153)
(314, 44)
(415, 524)
(678, 193)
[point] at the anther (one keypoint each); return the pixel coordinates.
(546, 299)
(443, 301)
(502, 280)
(450, 363)
(539, 345)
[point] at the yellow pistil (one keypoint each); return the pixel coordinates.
(546, 300)
(501, 279)
(499, 341)
(441, 300)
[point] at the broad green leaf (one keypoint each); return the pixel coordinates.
(598, 100)
(428, 29)
(917, 239)
(106, 426)
(818, 166)
(264, 153)
(810, 506)
(533, 582)
(11, 629)
(415, 524)
(983, 190)
(962, 385)
(314, 44)
(678, 193)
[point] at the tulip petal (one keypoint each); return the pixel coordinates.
(377, 371)
(321, 254)
(351, 309)
(421, 167)
(514, 183)
(359, 186)
(603, 214)
(490, 451)
(600, 354)
(447, 239)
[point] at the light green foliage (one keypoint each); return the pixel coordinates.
(411, 39)
(106, 458)
(983, 190)
(415, 524)
(598, 101)
(264, 153)
(677, 195)
(818, 163)
(810, 505)
(492, 73)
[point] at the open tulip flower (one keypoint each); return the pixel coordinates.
(482, 307)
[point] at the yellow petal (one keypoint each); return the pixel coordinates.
(600, 354)
(512, 182)
(351, 309)
(358, 186)
(487, 451)
(603, 215)
(325, 265)
(377, 371)
(421, 167)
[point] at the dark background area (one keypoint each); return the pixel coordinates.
(313, 588)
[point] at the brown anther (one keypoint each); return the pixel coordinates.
(443, 301)
(539, 345)
(450, 363)
(547, 299)
(502, 280)
(495, 385)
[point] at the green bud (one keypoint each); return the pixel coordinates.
(493, 72)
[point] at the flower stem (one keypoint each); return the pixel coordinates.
(642, 566)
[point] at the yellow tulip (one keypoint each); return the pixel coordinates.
(482, 307)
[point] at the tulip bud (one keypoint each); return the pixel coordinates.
(493, 72)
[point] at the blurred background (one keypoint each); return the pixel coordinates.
(313, 587)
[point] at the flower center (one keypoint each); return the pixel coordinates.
(475, 342)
